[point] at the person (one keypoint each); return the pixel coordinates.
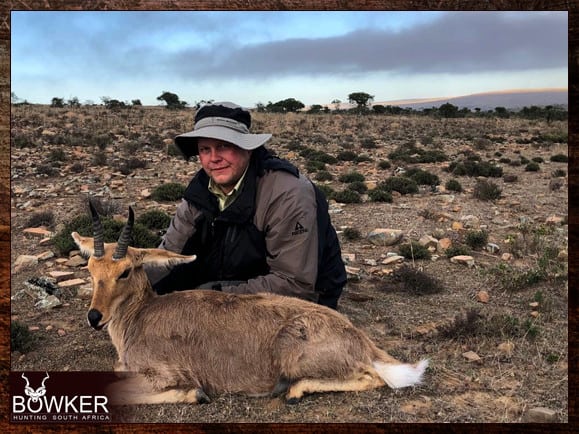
(255, 223)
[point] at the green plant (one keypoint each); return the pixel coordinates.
(559, 158)
(169, 192)
(154, 219)
(486, 190)
(384, 164)
(476, 239)
(352, 234)
(315, 165)
(42, 218)
(21, 339)
(532, 167)
(414, 250)
(45, 169)
(422, 177)
(324, 175)
(351, 177)
(99, 158)
(57, 155)
(347, 196)
(559, 173)
(475, 168)
(328, 191)
(357, 186)
(453, 185)
(400, 184)
(378, 195)
(456, 250)
(347, 156)
(464, 324)
(416, 282)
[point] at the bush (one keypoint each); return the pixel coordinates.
(414, 250)
(324, 175)
(416, 282)
(422, 177)
(384, 164)
(456, 250)
(532, 166)
(169, 192)
(378, 195)
(45, 169)
(559, 158)
(328, 191)
(347, 156)
(357, 186)
(476, 239)
(315, 165)
(453, 185)
(401, 184)
(154, 219)
(347, 196)
(475, 168)
(351, 177)
(99, 158)
(21, 339)
(57, 155)
(559, 173)
(486, 190)
(352, 234)
(43, 218)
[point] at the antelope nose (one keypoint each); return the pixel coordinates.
(94, 317)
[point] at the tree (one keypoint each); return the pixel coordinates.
(448, 110)
(57, 102)
(73, 102)
(172, 101)
(315, 108)
(361, 99)
(336, 103)
(501, 112)
(285, 106)
(136, 102)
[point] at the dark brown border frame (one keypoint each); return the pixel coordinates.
(572, 6)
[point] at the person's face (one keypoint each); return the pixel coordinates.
(222, 161)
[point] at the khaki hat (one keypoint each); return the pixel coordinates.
(224, 121)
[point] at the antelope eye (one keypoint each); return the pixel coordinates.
(125, 274)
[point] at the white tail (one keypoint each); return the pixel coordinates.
(402, 375)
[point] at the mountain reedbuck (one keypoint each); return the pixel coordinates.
(186, 345)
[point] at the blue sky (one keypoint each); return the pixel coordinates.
(251, 57)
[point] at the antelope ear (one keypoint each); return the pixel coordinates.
(160, 258)
(85, 244)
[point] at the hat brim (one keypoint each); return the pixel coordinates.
(187, 142)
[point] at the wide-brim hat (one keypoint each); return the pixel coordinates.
(223, 121)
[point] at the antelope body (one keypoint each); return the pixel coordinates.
(186, 345)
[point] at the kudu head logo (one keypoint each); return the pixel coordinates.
(35, 395)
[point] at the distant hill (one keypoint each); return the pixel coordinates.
(511, 99)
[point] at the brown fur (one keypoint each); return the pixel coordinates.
(185, 344)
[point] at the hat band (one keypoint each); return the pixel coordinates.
(222, 122)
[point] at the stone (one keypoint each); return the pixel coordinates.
(45, 255)
(443, 245)
(24, 261)
(554, 220)
(457, 226)
(76, 261)
(463, 259)
(483, 296)
(71, 282)
(471, 356)
(507, 257)
(84, 291)
(59, 276)
(348, 258)
(385, 237)
(506, 347)
(540, 415)
(48, 302)
(428, 241)
(39, 232)
(393, 260)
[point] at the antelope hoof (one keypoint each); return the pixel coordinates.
(281, 387)
(202, 398)
(293, 401)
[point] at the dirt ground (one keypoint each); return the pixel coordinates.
(519, 333)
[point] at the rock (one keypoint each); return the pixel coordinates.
(370, 262)
(482, 296)
(457, 226)
(554, 220)
(534, 304)
(71, 282)
(428, 241)
(40, 232)
(42, 286)
(540, 415)
(25, 261)
(59, 276)
(471, 356)
(348, 258)
(45, 255)
(385, 237)
(506, 347)
(396, 259)
(146, 193)
(463, 259)
(48, 302)
(471, 222)
(76, 261)
(507, 257)
(493, 248)
(563, 255)
(535, 314)
(84, 291)
(443, 245)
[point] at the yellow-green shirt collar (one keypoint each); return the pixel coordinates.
(224, 200)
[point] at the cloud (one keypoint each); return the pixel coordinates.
(462, 42)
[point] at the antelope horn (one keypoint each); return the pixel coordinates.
(123, 243)
(45, 378)
(99, 246)
(27, 383)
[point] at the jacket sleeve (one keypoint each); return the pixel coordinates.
(286, 211)
(181, 228)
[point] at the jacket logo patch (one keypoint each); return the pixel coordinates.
(299, 229)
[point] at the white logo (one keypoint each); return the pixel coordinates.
(35, 395)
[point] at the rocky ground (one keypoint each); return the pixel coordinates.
(496, 332)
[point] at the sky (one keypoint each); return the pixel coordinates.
(268, 56)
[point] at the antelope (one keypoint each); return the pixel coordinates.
(186, 346)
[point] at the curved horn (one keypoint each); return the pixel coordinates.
(45, 378)
(123, 243)
(99, 246)
(27, 383)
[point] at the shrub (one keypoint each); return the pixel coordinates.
(352, 234)
(559, 158)
(422, 177)
(476, 239)
(509, 177)
(532, 166)
(21, 339)
(99, 158)
(64, 243)
(468, 324)
(368, 143)
(559, 173)
(173, 151)
(351, 177)
(401, 184)
(57, 155)
(538, 159)
(357, 186)
(347, 196)
(453, 185)
(414, 250)
(142, 237)
(456, 250)
(324, 175)
(347, 156)
(486, 190)
(169, 192)
(315, 165)
(384, 164)
(416, 282)
(328, 191)
(378, 195)
(475, 168)
(77, 167)
(42, 218)
(312, 154)
(154, 219)
(45, 169)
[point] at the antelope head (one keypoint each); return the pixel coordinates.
(33, 394)
(116, 269)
